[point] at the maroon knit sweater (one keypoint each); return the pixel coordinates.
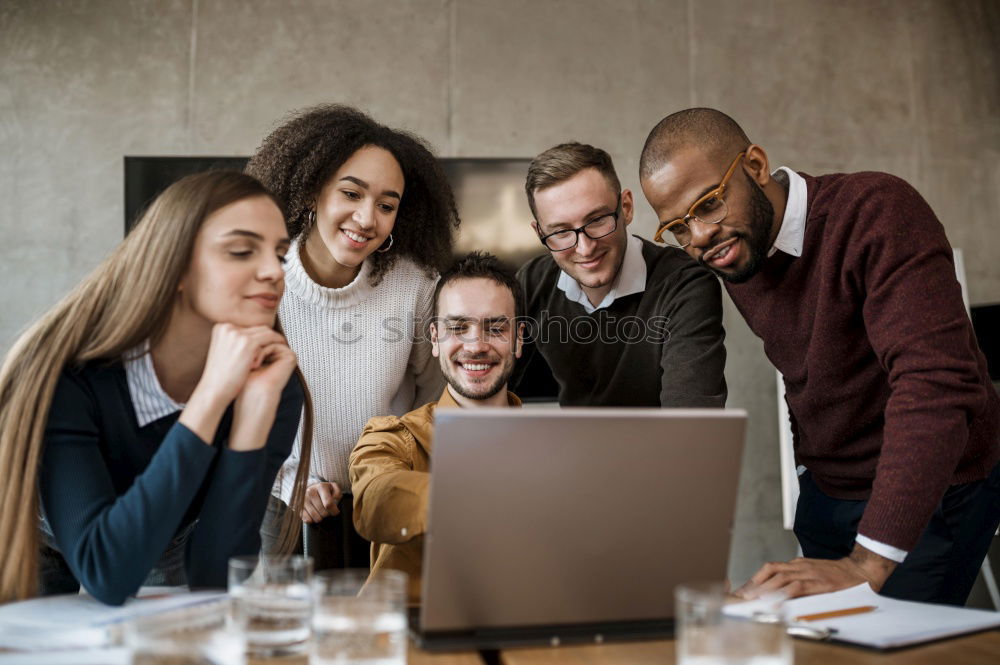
(887, 388)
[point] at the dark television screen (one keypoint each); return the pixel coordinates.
(489, 194)
(146, 177)
(494, 210)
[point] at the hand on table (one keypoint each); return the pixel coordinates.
(321, 502)
(805, 577)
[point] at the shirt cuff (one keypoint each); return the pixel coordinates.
(883, 550)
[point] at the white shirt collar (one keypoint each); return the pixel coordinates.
(149, 399)
(631, 279)
(793, 224)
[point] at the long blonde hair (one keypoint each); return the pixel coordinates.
(128, 299)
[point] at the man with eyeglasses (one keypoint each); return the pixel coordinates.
(620, 321)
(849, 281)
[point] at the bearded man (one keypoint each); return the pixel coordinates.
(849, 280)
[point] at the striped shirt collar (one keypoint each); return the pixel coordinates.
(149, 399)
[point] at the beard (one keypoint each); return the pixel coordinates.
(480, 393)
(757, 239)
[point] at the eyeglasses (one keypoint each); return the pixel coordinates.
(709, 209)
(599, 227)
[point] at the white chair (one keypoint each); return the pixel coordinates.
(789, 473)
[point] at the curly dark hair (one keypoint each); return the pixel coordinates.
(296, 160)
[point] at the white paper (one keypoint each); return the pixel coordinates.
(893, 623)
(112, 656)
(80, 621)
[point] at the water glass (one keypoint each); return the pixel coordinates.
(271, 603)
(196, 635)
(359, 619)
(706, 636)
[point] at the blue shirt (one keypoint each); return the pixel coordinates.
(115, 493)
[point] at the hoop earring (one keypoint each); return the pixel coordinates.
(311, 218)
(385, 248)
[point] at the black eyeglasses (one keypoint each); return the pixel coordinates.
(560, 241)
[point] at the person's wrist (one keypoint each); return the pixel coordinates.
(250, 430)
(256, 401)
(873, 567)
(253, 416)
(209, 398)
(201, 415)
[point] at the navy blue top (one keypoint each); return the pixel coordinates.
(115, 494)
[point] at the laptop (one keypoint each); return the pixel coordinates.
(572, 525)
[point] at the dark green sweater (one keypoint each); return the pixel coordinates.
(660, 347)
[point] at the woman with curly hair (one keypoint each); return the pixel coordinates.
(144, 417)
(371, 215)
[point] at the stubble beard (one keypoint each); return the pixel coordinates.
(758, 240)
(489, 392)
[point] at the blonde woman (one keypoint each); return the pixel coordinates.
(371, 215)
(144, 417)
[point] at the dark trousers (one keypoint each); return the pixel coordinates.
(941, 568)
(333, 543)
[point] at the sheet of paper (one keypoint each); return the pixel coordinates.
(893, 623)
(41, 638)
(112, 656)
(78, 620)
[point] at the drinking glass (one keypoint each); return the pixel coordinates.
(359, 619)
(271, 603)
(195, 635)
(706, 636)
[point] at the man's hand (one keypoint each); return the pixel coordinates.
(321, 502)
(805, 577)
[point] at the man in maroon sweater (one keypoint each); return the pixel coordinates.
(849, 281)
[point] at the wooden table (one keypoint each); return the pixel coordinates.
(980, 649)
(415, 657)
(418, 657)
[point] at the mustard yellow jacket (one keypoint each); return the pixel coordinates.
(389, 478)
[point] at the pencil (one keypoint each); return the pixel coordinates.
(836, 613)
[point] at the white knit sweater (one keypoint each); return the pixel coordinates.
(360, 352)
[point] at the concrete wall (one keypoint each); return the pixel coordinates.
(906, 86)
